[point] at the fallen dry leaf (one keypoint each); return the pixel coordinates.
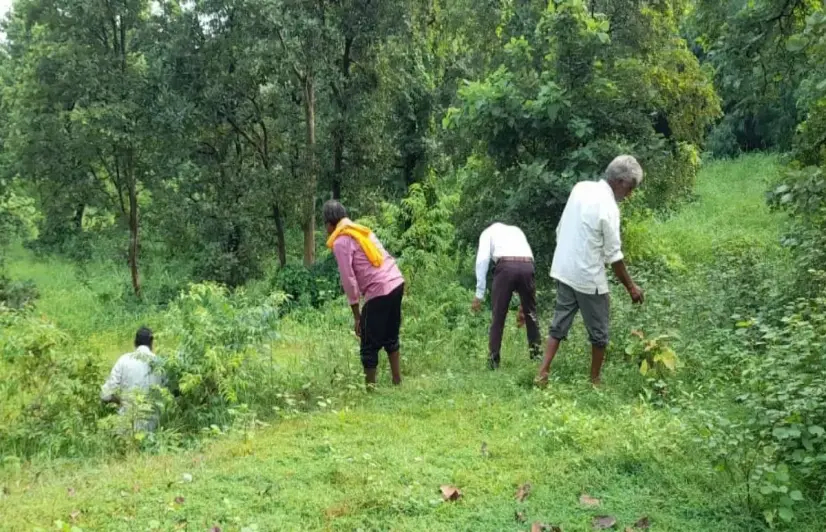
(74, 515)
(450, 493)
(602, 522)
(71, 492)
(216, 528)
(542, 527)
(519, 516)
(179, 500)
(643, 524)
(587, 500)
(523, 492)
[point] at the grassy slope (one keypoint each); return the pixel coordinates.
(377, 462)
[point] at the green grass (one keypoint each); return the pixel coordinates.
(376, 461)
(379, 464)
(731, 205)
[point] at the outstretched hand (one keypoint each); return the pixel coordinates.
(637, 295)
(476, 306)
(520, 317)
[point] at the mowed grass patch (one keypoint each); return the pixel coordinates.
(379, 465)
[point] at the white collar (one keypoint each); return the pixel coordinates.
(144, 350)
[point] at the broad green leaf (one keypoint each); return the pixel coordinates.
(644, 367)
(796, 43)
(786, 514)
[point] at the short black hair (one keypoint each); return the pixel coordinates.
(144, 337)
(333, 212)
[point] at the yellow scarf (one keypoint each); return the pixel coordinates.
(360, 234)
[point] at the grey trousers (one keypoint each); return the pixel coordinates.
(595, 310)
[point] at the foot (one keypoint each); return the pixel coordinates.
(541, 380)
(493, 363)
(596, 382)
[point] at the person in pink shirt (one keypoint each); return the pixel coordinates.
(368, 271)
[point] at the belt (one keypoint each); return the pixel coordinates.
(515, 259)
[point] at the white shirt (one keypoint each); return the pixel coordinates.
(132, 373)
(497, 241)
(587, 238)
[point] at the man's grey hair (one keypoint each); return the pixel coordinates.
(333, 212)
(624, 168)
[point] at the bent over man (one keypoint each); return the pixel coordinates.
(508, 248)
(366, 269)
(588, 237)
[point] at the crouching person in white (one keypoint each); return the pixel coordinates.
(132, 379)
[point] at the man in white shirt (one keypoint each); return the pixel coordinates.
(508, 248)
(588, 238)
(132, 376)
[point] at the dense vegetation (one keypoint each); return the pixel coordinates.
(163, 162)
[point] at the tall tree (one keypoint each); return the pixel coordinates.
(81, 64)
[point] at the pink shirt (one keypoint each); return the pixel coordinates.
(359, 277)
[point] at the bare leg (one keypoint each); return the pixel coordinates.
(370, 378)
(395, 367)
(597, 356)
(550, 353)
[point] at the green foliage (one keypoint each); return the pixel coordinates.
(17, 294)
(778, 448)
(759, 62)
(653, 355)
(570, 95)
(309, 287)
(221, 361)
(51, 394)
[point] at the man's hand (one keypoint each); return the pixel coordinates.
(476, 306)
(636, 293)
(520, 317)
(356, 319)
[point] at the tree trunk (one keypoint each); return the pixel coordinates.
(342, 94)
(133, 236)
(338, 155)
(279, 235)
(311, 184)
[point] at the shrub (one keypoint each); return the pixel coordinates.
(308, 287)
(778, 448)
(17, 294)
(222, 360)
(722, 142)
(50, 393)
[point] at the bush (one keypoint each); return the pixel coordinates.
(17, 294)
(722, 142)
(221, 361)
(50, 393)
(308, 287)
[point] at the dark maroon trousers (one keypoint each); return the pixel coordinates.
(509, 276)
